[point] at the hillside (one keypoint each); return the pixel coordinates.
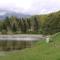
(41, 51)
(7, 13)
(36, 24)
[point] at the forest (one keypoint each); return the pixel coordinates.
(36, 24)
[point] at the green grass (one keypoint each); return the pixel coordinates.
(41, 51)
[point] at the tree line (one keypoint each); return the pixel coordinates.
(38, 24)
(49, 23)
(21, 25)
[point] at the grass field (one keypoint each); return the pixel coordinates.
(40, 51)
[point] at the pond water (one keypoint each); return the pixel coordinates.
(17, 42)
(21, 37)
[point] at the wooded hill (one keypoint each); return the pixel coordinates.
(38, 24)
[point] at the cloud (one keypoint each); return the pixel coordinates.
(2, 13)
(15, 4)
(44, 6)
(30, 6)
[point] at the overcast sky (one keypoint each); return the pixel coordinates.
(30, 6)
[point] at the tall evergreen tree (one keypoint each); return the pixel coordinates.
(24, 26)
(36, 24)
(29, 24)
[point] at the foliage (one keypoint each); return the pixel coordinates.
(43, 24)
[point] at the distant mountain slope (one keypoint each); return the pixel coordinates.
(5, 13)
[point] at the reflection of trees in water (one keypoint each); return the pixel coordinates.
(14, 45)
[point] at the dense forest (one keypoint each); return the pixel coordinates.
(38, 24)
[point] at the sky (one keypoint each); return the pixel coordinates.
(30, 6)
